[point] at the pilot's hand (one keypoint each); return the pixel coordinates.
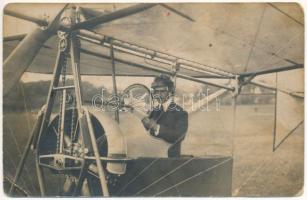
(149, 124)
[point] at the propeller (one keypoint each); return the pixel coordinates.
(37, 21)
(177, 12)
(22, 56)
(89, 13)
(14, 37)
(93, 15)
(112, 16)
(272, 70)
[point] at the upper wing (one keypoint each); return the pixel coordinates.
(237, 38)
(232, 37)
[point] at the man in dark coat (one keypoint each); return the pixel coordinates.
(167, 120)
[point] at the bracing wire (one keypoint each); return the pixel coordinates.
(290, 132)
(260, 166)
(255, 39)
(222, 124)
(283, 47)
(28, 124)
(234, 125)
(245, 42)
(286, 14)
(26, 107)
(192, 177)
(30, 178)
(265, 160)
(16, 186)
(164, 176)
(275, 111)
(15, 168)
(139, 174)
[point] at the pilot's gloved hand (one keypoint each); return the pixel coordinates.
(149, 124)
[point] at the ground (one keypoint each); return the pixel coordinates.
(257, 170)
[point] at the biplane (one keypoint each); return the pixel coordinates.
(100, 145)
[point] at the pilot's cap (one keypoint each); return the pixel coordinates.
(161, 81)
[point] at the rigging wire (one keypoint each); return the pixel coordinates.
(266, 61)
(255, 38)
(234, 125)
(164, 176)
(286, 14)
(275, 111)
(26, 107)
(260, 166)
(192, 177)
(275, 118)
(28, 120)
(237, 190)
(15, 167)
(19, 152)
(16, 186)
(222, 124)
(244, 42)
(28, 124)
(266, 159)
(139, 174)
(290, 132)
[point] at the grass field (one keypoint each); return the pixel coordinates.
(257, 171)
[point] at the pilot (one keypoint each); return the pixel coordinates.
(167, 120)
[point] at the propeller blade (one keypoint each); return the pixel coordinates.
(55, 24)
(14, 37)
(113, 16)
(272, 70)
(177, 12)
(19, 38)
(89, 13)
(22, 56)
(39, 22)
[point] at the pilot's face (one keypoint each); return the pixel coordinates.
(161, 94)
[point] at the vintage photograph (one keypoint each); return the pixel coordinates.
(153, 100)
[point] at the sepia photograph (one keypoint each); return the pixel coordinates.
(162, 99)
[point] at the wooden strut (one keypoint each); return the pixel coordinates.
(62, 121)
(86, 128)
(85, 123)
(39, 22)
(102, 177)
(46, 118)
(275, 114)
(114, 81)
